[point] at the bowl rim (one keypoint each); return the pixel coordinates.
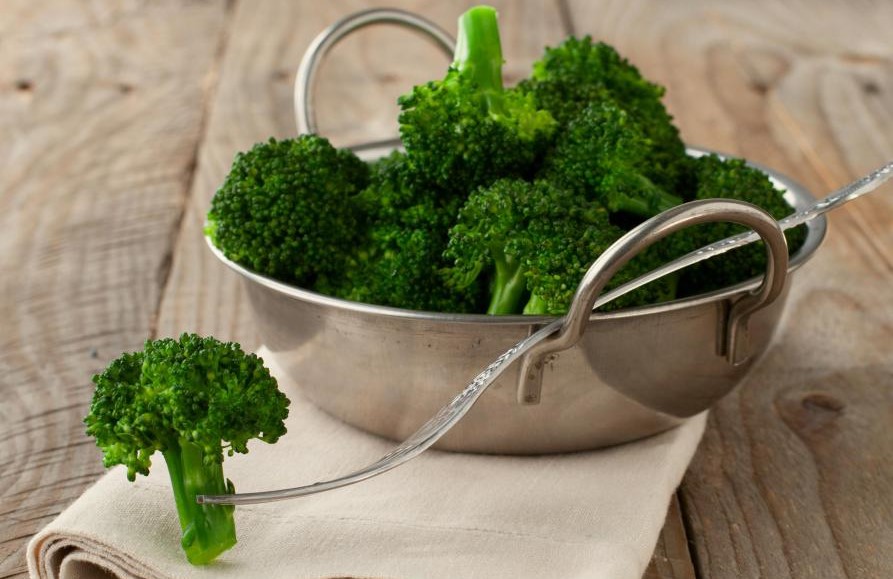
(796, 194)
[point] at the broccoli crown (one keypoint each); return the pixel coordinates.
(466, 130)
(399, 260)
(533, 241)
(729, 179)
(566, 254)
(491, 238)
(570, 77)
(284, 209)
(198, 390)
(602, 156)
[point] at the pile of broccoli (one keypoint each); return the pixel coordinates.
(502, 196)
(190, 399)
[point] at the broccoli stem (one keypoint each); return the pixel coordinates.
(509, 287)
(648, 201)
(479, 53)
(536, 306)
(208, 530)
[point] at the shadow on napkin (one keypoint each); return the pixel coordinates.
(444, 515)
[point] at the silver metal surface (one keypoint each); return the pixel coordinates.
(305, 112)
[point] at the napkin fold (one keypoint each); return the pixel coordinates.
(445, 515)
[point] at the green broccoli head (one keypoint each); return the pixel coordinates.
(729, 179)
(490, 240)
(532, 241)
(579, 72)
(284, 209)
(555, 271)
(466, 130)
(399, 261)
(603, 155)
(191, 399)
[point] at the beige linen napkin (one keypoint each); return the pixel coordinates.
(444, 515)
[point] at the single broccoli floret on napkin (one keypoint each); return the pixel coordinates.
(191, 399)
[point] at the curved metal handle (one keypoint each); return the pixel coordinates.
(305, 114)
(735, 344)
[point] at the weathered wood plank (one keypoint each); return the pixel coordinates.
(672, 557)
(98, 148)
(793, 476)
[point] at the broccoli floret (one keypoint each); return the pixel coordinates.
(556, 269)
(531, 241)
(466, 130)
(399, 259)
(284, 209)
(729, 179)
(602, 156)
(579, 72)
(190, 399)
(491, 240)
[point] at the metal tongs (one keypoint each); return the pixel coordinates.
(763, 226)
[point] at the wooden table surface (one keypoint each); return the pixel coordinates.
(119, 120)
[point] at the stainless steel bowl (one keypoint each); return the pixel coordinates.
(634, 373)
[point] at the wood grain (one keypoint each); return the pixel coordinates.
(98, 148)
(793, 476)
(122, 118)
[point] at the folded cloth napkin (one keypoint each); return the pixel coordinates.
(590, 514)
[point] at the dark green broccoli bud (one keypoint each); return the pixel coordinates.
(532, 241)
(392, 188)
(466, 130)
(729, 179)
(490, 239)
(566, 254)
(579, 72)
(399, 261)
(602, 156)
(284, 209)
(190, 399)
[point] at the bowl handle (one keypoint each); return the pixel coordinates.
(734, 343)
(305, 114)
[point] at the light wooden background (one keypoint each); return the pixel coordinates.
(119, 118)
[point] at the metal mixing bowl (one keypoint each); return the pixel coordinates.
(634, 373)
